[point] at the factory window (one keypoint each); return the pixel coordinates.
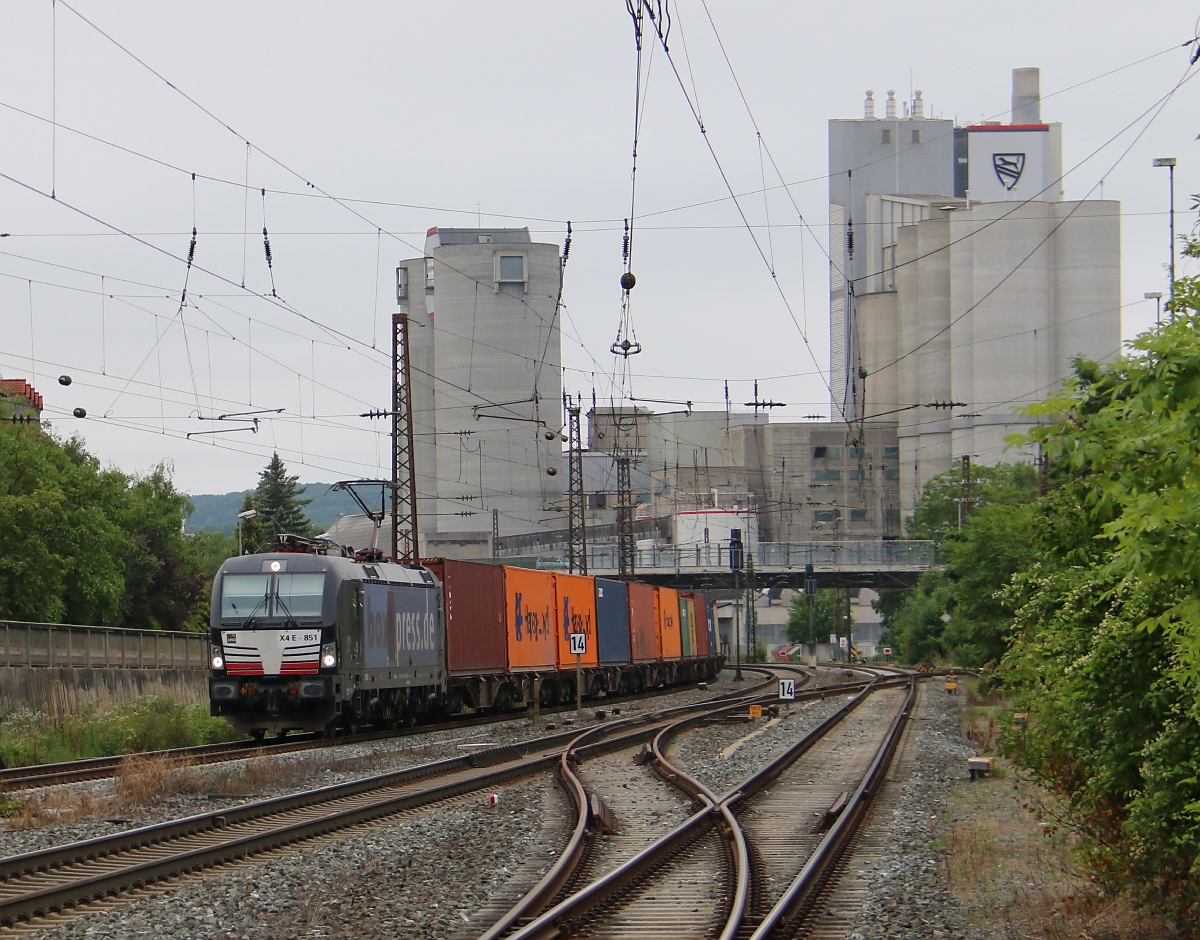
(857, 452)
(820, 453)
(887, 135)
(856, 474)
(827, 474)
(858, 515)
(916, 136)
(825, 515)
(598, 501)
(890, 474)
(892, 515)
(510, 269)
(891, 450)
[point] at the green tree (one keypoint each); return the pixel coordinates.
(936, 515)
(277, 499)
(1105, 654)
(955, 612)
(209, 550)
(81, 544)
(825, 601)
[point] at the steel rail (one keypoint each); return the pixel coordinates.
(827, 853)
(98, 768)
(513, 761)
(551, 923)
(577, 845)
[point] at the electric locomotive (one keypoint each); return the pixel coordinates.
(314, 636)
(306, 641)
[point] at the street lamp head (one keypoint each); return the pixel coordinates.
(1164, 161)
(1152, 295)
(247, 514)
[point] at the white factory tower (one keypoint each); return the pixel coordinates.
(487, 388)
(969, 284)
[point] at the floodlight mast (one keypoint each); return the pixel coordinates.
(244, 514)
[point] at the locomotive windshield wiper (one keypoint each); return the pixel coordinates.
(249, 621)
(289, 620)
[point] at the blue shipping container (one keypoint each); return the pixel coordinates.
(612, 621)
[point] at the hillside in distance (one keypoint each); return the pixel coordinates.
(217, 512)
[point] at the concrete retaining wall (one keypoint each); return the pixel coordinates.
(59, 691)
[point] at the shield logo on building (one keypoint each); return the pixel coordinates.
(1008, 167)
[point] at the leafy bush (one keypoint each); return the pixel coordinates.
(1105, 651)
(149, 723)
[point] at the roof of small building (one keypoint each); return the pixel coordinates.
(19, 388)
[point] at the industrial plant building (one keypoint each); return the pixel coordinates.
(486, 386)
(962, 285)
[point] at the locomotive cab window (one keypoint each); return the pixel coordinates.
(299, 594)
(242, 593)
(266, 597)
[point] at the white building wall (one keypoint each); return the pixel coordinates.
(996, 303)
(904, 154)
(487, 387)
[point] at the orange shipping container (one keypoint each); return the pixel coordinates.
(529, 620)
(668, 624)
(643, 622)
(575, 608)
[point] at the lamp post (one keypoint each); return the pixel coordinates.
(1169, 163)
(247, 514)
(1156, 296)
(735, 564)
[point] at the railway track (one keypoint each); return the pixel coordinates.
(745, 864)
(68, 877)
(13, 779)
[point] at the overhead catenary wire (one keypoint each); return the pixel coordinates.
(308, 193)
(738, 206)
(185, 329)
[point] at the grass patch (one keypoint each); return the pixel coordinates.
(1017, 875)
(151, 723)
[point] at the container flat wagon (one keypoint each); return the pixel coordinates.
(312, 638)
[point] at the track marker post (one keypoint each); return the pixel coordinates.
(787, 692)
(579, 647)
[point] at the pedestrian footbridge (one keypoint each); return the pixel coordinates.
(874, 564)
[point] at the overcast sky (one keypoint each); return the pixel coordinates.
(516, 113)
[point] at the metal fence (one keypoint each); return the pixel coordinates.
(907, 554)
(58, 644)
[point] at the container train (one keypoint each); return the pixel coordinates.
(313, 639)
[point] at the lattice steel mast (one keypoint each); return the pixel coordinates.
(576, 498)
(405, 544)
(625, 507)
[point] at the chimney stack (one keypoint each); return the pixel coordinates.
(869, 106)
(1026, 96)
(918, 107)
(891, 105)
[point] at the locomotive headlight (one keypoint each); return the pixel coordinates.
(329, 655)
(218, 658)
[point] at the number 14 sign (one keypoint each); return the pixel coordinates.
(578, 644)
(787, 690)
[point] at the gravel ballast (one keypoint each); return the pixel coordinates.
(698, 753)
(94, 808)
(907, 894)
(419, 876)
